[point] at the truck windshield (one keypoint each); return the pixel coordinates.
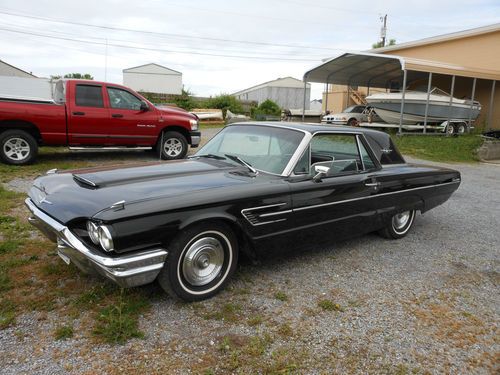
(267, 149)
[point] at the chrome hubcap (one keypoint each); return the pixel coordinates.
(16, 149)
(399, 221)
(203, 261)
(172, 147)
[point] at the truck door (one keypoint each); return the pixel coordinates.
(129, 123)
(87, 115)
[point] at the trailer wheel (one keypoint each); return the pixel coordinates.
(17, 147)
(449, 129)
(461, 128)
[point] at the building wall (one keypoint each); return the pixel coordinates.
(10, 71)
(154, 79)
(285, 97)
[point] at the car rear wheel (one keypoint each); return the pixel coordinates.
(399, 225)
(352, 122)
(17, 147)
(173, 145)
(200, 262)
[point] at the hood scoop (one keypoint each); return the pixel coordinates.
(85, 182)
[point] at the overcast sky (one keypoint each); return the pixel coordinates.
(219, 45)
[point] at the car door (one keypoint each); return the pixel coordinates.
(87, 116)
(128, 123)
(342, 201)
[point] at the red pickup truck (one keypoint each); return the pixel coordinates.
(84, 113)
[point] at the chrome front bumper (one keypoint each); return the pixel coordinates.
(126, 270)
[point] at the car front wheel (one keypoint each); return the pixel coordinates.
(200, 262)
(399, 225)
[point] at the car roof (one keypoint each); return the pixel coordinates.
(310, 127)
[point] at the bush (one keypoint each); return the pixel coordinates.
(185, 100)
(266, 108)
(225, 102)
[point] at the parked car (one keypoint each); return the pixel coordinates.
(185, 222)
(352, 116)
(89, 113)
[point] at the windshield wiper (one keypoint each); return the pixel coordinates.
(242, 162)
(209, 156)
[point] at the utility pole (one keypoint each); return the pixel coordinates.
(383, 30)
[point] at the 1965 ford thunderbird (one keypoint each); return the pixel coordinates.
(184, 222)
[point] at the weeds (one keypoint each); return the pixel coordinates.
(118, 322)
(7, 313)
(328, 305)
(281, 296)
(63, 332)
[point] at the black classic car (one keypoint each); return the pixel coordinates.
(184, 222)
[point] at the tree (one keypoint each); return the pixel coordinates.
(79, 76)
(185, 100)
(225, 102)
(379, 44)
(267, 107)
(55, 78)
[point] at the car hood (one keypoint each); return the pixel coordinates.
(175, 110)
(88, 193)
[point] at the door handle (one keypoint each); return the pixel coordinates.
(117, 115)
(79, 113)
(372, 184)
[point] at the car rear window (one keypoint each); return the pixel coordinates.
(89, 96)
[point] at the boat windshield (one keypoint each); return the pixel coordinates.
(265, 148)
(435, 90)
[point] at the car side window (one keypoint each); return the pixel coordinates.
(339, 152)
(89, 96)
(122, 99)
(365, 156)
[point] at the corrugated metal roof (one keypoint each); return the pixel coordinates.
(374, 70)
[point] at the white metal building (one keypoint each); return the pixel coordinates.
(287, 92)
(12, 71)
(153, 78)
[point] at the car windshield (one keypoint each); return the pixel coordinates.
(265, 148)
(354, 109)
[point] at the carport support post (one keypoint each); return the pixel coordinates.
(326, 98)
(429, 85)
(304, 106)
(452, 89)
(402, 102)
(490, 110)
(471, 103)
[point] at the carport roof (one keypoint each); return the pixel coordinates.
(376, 70)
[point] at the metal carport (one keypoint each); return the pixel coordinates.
(388, 71)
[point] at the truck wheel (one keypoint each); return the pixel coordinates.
(174, 145)
(461, 128)
(17, 147)
(200, 262)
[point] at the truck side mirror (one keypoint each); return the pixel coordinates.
(144, 106)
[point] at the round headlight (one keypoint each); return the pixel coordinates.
(93, 231)
(105, 238)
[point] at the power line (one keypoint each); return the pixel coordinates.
(165, 34)
(14, 27)
(156, 49)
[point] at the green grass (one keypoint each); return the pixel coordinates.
(461, 149)
(63, 332)
(7, 313)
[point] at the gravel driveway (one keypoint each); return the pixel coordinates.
(428, 303)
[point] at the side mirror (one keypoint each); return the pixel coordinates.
(144, 106)
(321, 171)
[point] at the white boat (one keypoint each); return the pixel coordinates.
(388, 107)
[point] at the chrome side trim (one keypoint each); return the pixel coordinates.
(276, 213)
(253, 218)
(371, 196)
